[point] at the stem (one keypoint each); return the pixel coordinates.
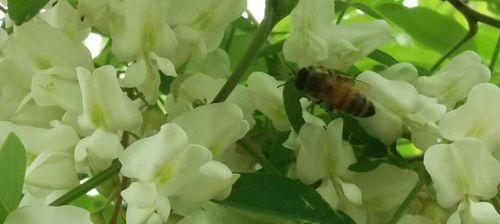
(3, 10)
(473, 14)
(247, 146)
(413, 193)
(88, 185)
(118, 201)
(342, 13)
(124, 184)
(494, 57)
(260, 37)
(473, 27)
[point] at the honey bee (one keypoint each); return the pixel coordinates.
(335, 91)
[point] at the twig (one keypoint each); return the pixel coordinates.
(118, 200)
(472, 21)
(494, 57)
(124, 184)
(473, 14)
(409, 198)
(88, 185)
(248, 147)
(260, 38)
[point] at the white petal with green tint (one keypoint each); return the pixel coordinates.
(49, 215)
(456, 79)
(468, 121)
(214, 126)
(463, 168)
(104, 104)
(158, 150)
(267, 97)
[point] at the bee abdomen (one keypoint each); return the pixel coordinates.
(359, 106)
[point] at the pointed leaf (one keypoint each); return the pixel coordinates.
(23, 10)
(12, 170)
(283, 197)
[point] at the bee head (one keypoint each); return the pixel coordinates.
(302, 77)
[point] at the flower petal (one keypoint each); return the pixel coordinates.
(267, 97)
(214, 126)
(452, 83)
(49, 215)
(465, 167)
(158, 150)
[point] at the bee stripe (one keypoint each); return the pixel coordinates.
(368, 110)
(349, 96)
(357, 105)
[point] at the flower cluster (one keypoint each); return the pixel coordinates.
(179, 152)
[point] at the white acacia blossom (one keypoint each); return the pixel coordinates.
(169, 180)
(104, 104)
(324, 156)
(49, 215)
(145, 103)
(199, 25)
(453, 82)
(465, 172)
(315, 39)
(467, 121)
(398, 108)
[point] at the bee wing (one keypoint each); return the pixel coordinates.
(363, 86)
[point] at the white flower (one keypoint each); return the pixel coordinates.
(59, 138)
(215, 126)
(57, 86)
(401, 71)
(64, 17)
(174, 173)
(96, 152)
(399, 107)
(104, 103)
(385, 187)
(199, 25)
(35, 46)
(267, 97)
(323, 155)
(203, 88)
(463, 168)
(477, 118)
(53, 171)
(470, 211)
(49, 215)
(141, 27)
(315, 40)
(453, 83)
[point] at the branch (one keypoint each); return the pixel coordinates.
(494, 57)
(250, 149)
(90, 184)
(260, 38)
(473, 14)
(423, 179)
(473, 18)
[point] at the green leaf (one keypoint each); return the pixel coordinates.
(73, 3)
(272, 49)
(284, 197)
(23, 10)
(383, 58)
(367, 10)
(293, 109)
(12, 169)
(281, 8)
(425, 25)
